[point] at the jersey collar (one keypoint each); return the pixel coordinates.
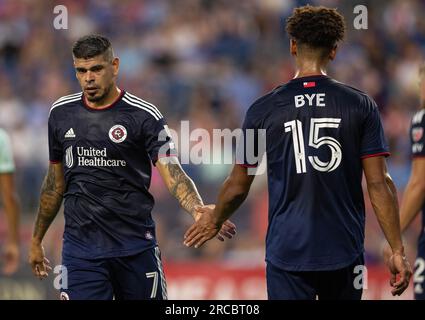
(310, 78)
(109, 106)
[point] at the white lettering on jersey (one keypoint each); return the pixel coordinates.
(92, 157)
(319, 98)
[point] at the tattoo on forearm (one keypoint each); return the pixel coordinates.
(183, 188)
(50, 202)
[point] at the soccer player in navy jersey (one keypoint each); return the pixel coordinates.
(414, 195)
(102, 144)
(321, 135)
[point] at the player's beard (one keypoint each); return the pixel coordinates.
(100, 97)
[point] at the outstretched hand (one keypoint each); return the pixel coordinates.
(206, 227)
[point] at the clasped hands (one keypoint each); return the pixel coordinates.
(207, 226)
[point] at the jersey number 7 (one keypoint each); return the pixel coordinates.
(295, 126)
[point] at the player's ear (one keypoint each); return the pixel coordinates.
(293, 47)
(332, 54)
(116, 65)
(75, 70)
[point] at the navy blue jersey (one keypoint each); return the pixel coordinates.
(417, 139)
(317, 132)
(107, 155)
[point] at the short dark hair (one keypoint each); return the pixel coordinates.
(91, 46)
(316, 27)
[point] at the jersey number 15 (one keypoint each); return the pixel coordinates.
(314, 141)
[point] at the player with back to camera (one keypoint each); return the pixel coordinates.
(321, 135)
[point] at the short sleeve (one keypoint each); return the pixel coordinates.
(158, 140)
(7, 164)
(250, 146)
(373, 142)
(55, 147)
(417, 136)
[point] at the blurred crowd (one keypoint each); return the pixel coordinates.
(204, 61)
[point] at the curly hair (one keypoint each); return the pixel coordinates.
(316, 27)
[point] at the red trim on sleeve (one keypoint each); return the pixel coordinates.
(386, 154)
(247, 165)
(54, 162)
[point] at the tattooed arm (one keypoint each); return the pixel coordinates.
(50, 201)
(179, 184)
(183, 188)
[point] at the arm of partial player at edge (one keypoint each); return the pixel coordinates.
(414, 194)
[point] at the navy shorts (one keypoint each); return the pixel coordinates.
(419, 272)
(134, 277)
(341, 284)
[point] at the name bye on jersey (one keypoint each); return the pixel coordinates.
(317, 132)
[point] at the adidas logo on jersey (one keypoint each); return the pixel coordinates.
(70, 133)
